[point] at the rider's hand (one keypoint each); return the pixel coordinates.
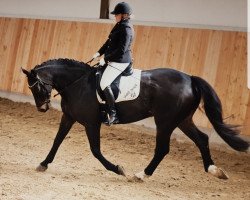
(102, 62)
(96, 55)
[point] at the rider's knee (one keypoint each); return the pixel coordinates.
(103, 84)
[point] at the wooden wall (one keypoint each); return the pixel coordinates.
(220, 57)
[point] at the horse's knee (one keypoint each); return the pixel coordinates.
(205, 138)
(162, 151)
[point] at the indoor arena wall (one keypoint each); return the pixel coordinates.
(218, 56)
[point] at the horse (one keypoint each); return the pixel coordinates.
(168, 95)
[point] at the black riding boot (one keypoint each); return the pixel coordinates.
(110, 101)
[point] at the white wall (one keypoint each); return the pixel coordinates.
(204, 13)
(231, 13)
(51, 8)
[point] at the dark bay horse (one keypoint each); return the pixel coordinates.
(170, 96)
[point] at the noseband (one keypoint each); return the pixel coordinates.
(42, 83)
(31, 86)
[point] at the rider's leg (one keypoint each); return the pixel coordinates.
(110, 101)
(112, 71)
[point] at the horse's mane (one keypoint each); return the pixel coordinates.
(71, 63)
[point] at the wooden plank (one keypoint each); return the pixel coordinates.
(246, 124)
(16, 30)
(210, 67)
(18, 82)
(83, 40)
(172, 46)
(236, 82)
(178, 40)
(141, 47)
(241, 93)
(5, 48)
(224, 68)
(9, 30)
(47, 34)
(245, 95)
(185, 40)
(74, 39)
(212, 57)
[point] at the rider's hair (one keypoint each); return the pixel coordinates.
(125, 16)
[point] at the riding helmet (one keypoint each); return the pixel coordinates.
(122, 8)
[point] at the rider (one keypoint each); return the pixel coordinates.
(117, 55)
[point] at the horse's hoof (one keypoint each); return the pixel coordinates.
(139, 177)
(121, 170)
(41, 168)
(217, 172)
(135, 179)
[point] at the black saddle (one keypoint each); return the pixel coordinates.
(115, 84)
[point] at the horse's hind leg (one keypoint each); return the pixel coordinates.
(201, 141)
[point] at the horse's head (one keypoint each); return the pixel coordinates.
(40, 90)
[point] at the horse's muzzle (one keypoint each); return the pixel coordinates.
(44, 107)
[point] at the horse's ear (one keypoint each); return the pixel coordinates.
(25, 71)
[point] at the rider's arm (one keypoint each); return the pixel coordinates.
(103, 48)
(123, 46)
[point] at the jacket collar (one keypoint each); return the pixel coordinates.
(123, 21)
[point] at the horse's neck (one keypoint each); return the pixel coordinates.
(61, 76)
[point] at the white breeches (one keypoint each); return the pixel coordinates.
(113, 70)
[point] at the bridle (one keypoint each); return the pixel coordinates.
(31, 86)
(75, 81)
(42, 83)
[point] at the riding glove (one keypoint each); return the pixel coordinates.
(96, 55)
(102, 62)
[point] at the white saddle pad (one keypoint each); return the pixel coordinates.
(129, 87)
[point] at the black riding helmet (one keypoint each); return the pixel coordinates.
(122, 8)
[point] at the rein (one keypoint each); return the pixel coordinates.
(74, 82)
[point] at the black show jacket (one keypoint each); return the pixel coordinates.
(117, 47)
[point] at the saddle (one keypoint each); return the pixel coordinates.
(115, 84)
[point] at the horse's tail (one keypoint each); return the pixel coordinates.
(213, 110)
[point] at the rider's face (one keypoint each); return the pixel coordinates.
(118, 17)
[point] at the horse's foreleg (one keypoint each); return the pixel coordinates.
(162, 149)
(93, 134)
(65, 126)
(201, 141)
